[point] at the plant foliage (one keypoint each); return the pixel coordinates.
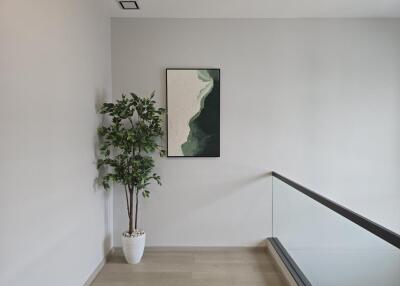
(127, 143)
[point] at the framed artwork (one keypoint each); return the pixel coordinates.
(193, 112)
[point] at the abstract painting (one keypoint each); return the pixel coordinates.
(193, 109)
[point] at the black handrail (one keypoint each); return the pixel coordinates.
(380, 231)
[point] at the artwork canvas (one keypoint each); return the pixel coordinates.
(193, 109)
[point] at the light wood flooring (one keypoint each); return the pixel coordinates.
(194, 267)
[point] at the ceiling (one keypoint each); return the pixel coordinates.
(259, 8)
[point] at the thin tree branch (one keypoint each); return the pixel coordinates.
(136, 208)
(130, 120)
(127, 201)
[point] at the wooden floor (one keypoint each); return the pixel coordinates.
(219, 267)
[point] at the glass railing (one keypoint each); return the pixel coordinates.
(332, 245)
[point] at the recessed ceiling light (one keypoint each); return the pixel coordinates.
(129, 5)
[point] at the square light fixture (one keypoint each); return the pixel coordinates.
(129, 5)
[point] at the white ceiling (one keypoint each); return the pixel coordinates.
(259, 8)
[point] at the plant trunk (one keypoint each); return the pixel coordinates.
(137, 208)
(130, 214)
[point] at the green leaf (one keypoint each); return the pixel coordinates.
(128, 141)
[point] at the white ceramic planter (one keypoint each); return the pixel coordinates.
(133, 247)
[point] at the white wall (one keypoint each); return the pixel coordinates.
(54, 68)
(317, 100)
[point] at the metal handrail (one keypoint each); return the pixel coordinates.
(374, 228)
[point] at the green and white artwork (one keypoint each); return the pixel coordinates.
(193, 102)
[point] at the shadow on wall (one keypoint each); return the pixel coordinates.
(107, 243)
(100, 98)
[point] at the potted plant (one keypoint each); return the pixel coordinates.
(126, 146)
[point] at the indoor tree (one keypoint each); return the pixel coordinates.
(134, 132)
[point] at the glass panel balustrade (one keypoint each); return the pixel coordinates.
(330, 249)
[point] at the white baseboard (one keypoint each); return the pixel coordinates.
(97, 270)
(117, 251)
